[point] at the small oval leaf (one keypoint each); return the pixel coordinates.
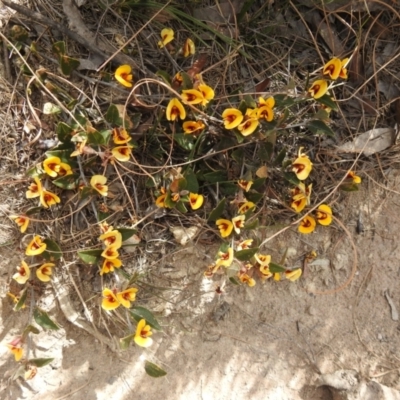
(53, 251)
(154, 370)
(40, 362)
(217, 212)
(274, 268)
(42, 319)
(90, 256)
(139, 313)
(247, 254)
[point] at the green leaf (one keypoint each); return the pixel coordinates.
(349, 187)
(126, 233)
(103, 215)
(99, 138)
(216, 176)
(112, 115)
(187, 81)
(238, 155)
(322, 115)
(181, 207)
(246, 255)
(30, 329)
(282, 100)
(319, 128)
(139, 313)
(265, 151)
(254, 197)
(126, 341)
(280, 157)
(242, 107)
(234, 281)
(18, 34)
(63, 155)
(291, 177)
(59, 48)
(184, 141)
(217, 212)
(42, 319)
(327, 101)
(228, 188)
(165, 76)
(258, 184)
(40, 362)
(251, 225)
(68, 65)
(90, 256)
(86, 192)
(63, 132)
(153, 370)
(276, 268)
(22, 300)
(33, 210)
(250, 102)
(192, 185)
(67, 182)
(52, 252)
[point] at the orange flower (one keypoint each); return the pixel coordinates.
(192, 96)
(48, 199)
(44, 272)
(98, 183)
(190, 127)
(127, 296)
(196, 200)
(110, 252)
(34, 189)
(232, 118)
(207, 92)
(112, 238)
(225, 227)
(22, 221)
(238, 223)
(188, 48)
(143, 332)
(23, 274)
(352, 175)
(122, 153)
(307, 225)
(175, 110)
(123, 75)
(16, 350)
(324, 215)
(160, 200)
(343, 70)
(109, 265)
(110, 301)
(332, 68)
(248, 205)
(302, 166)
(120, 136)
(167, 36)
(245, 278)
(35, 247)
(318, 88)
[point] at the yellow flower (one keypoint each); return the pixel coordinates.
(123, 75)
(34, 189)
(110, 301)
(266, 113)
(98, 183)
(167, 36)
(190, 127)
(143, 332)
(35, 247)
(196, 200)
(270, 102)
(244, 245)
(122, 153)
(175, 110)
(16, 350)
(293, 275)
(302, 166)
(318, 88)
(343, 70)
(246, 206)
(352, 175)
(110, 252)
(238, 223)
(332, 68)
(225, 227)
(127, 296)
(160, 200)
(112, 238)
(207, 92)
(48, 199)
(277, 276)
(52, 166)
(188, 48)
(211, 270)
(22, 221)
(225, 258)
(263, 259)
(250, 123)
(23, 273)
(120, 136)
(245, 278)
(300, 196)
(192, 96)
(307, 225)
(109, 265)
(324, 215)
(265, 272)
(79, 148)
(65, 169)
(245, 185)
(232, 118)
(44, 272)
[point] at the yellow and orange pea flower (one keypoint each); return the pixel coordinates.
(143, 332)
(112, 238)
(232, 118)
(175, 110)
(34, 189)
(120, 136)
(238, 223)
(167, 36)
(188, 48)
(211, 270)
(110, 301)
(110, 252)
(324, 215)
(352, 175)
(245, 278)
(294, 274)
(35, 247)
(318, 88)
(16, 350)
(123, 74)
(250, 122)
(263, 259)
(192, 96)
(207, 92)
(109, 265)
(300, 196)
(307, 225)
(79, 148)
(22, 221)
(98, 183)
(23, 273)
(196, 200)
(302, 166)
(190, 127)
(105, 227)
(336, 68)
(44, 272)
(245, 185)
(122, 153)
(225, 227)
(248, 205)
(127, 296)
(225, 258)
(269, 102)
(245, 244)
(54, 167)
(48, 199)
(264, 110)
